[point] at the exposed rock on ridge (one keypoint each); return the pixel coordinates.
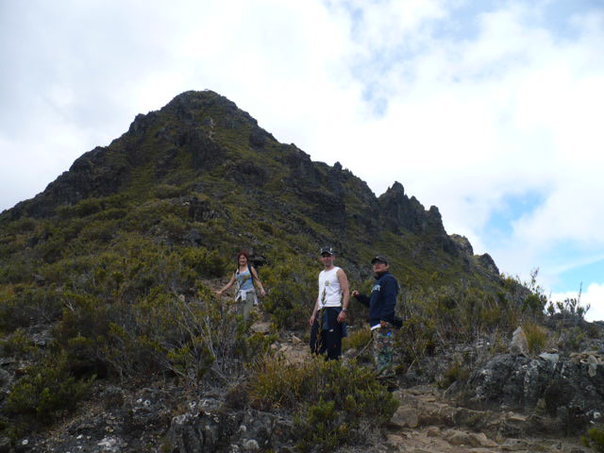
(203, 133)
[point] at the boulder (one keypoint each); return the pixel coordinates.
(406, 417)
(519, 343)
(568, 389)
(216, 430)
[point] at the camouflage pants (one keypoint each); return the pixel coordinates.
(383, 351)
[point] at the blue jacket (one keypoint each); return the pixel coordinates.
(383, 299)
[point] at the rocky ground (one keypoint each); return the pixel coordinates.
(424, 423)
(165, 418)
(427, 422)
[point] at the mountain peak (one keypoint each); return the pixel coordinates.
(202, 142)
(396, 189)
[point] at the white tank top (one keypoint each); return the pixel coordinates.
(330, 292)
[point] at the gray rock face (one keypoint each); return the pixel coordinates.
(202, 210)
(571, 389)
(401, 212)
(519, 343)
(217, 431)
(487, 262)
(463, 244)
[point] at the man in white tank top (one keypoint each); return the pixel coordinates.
(331, 308)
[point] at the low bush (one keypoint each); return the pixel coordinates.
(163, 191)
(161, 333)
(357, 340)
(17, 344)
(333, 403)
(205, 262)
(16, 271)
(292, 292)
(536, 337)
(457, 371)
(358, 345)
(595, 439)
(26, 305)
(46, 392)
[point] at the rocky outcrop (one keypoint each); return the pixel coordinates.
(429, 423)
(463, 244)
(214, 431)
(202, 210)
(202, 142)
(487, 263)
(399, 212)
(247, 173)
(92, 174)
(519, 343)
(568, 388)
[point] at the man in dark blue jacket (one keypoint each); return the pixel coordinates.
(382, 319)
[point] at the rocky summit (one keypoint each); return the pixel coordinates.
(112, 336)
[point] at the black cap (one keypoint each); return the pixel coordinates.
(379, 258)
(327, 250)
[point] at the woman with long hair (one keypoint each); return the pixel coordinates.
(247, 280)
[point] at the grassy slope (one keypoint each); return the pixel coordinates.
(108, 272)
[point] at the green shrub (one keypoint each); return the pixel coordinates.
(535, 303)
(358, 339)
(100, 231)
(572, 339)
(168, 191)
(536, 337)
(24, 224)
(17, 271)
(112, 214)
(595, 439)
(292, 292)
(90, 206)
(46, 392)
(173, 226)
(358, 345)
(87, 207)
(158, 333)
(205, 262)
(320, 427)
(458, 371)
(333, 403)
(16, 344)
(417, 338)
(26, 305)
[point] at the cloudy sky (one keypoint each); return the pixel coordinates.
(489, 110)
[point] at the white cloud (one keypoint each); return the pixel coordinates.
(393, 90)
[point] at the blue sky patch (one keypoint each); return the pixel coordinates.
(571, 279)
(558, 14)
(511, 208)
(591, 271)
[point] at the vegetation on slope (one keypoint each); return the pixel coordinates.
(114, 267)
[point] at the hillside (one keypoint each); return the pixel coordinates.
(204, 163)
(107, 283)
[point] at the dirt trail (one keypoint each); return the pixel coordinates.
(427, 422)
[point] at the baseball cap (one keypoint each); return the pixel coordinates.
(327, 250)
(379, 258)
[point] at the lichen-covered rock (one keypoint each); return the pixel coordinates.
(519, 343)
(571, 389)
(217, 431)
